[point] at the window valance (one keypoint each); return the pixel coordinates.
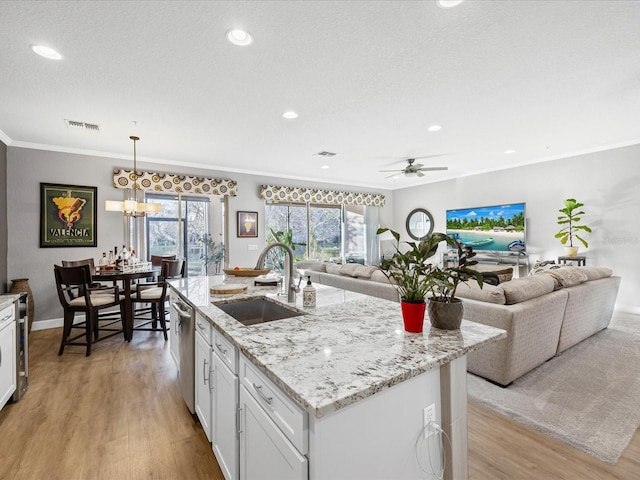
(274, 193)
(169, 182)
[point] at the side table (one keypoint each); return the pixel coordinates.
(582, 260)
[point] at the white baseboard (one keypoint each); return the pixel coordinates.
(46, 324)
(626, 309)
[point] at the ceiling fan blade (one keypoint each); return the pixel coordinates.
(433, 169)
(393, 175)
(417, 166)
(419, 173)
(431, 156)
(396, 170)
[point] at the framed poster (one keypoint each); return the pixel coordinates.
(247, 224)
(68, 215)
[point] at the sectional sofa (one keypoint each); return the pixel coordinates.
(543, 314)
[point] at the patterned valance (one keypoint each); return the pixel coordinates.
(169, 182)
(274, 193)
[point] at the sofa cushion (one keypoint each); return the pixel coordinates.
(364, 271)
(594, 273)
(488, 293)
(311, 265)
(566, 277)
(526, 288)
(378, 276)
(333, 268)
(349, 269)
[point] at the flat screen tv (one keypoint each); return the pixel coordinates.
(495, 228)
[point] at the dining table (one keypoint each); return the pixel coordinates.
(126, 276)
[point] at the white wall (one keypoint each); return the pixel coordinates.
(606, 182)
(27, 168)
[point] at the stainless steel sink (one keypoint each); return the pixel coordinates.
(257, 311)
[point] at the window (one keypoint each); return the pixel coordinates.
(331, 233)
(176, 229)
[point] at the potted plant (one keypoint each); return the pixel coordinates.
(410, 273)
(569, 219)
(445, 310)
(213, 254)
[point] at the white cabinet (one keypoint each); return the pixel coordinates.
(7, 353)
(265, 452)
(203, 380)
(225, 415)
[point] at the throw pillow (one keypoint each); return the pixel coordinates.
(488, 293)
(567, 277)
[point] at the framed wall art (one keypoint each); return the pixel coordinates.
(68, 215)
(247, 224)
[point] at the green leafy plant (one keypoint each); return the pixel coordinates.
(446, 279)
(213, 253)
(409, 271)
(569, 218)
(414, 276)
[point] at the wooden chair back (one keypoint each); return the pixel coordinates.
(156, 260)
(77, 263)
(172, 269)
(71, 282)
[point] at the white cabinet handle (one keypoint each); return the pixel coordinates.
(268, 400)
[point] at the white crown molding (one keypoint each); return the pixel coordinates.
(5, 138)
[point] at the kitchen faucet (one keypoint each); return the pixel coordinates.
(288, 274)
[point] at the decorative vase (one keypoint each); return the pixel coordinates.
(19, 285)
(444, 315)
(413, 316)
(571, 251)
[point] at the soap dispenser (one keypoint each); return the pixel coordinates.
(309, 294)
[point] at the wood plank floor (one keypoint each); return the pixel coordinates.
(119, 415)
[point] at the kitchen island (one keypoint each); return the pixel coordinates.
(347, 387)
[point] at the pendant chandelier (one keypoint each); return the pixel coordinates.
(133, 207)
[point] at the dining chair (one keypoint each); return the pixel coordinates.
(77, 295)
(155, 294)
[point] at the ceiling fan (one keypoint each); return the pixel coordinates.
(414, 169)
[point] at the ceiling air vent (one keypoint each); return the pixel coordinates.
(92, 127)
(324, 154)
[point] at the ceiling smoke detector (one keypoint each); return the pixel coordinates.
(92, 127)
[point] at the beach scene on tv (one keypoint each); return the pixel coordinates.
(498, 228)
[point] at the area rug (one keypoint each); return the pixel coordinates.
(588, 397)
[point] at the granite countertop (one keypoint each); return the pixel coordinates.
(8, 298)
(343, 350)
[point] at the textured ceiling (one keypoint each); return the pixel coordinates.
(545, 78)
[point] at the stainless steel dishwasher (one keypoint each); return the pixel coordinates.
(184, 318)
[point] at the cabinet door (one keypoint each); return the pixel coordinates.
(202, 384)
(265, 453)
(7, 362)
(225, 428)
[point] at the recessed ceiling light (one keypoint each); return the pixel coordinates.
(290, 115)
(46, 52)
(509, 152)
(239, 37)
(448, 3)
(325, 167)
(434, 128)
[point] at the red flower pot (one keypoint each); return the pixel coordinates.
(413, 316)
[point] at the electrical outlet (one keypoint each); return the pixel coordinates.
(429, 416)
(252, 247)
